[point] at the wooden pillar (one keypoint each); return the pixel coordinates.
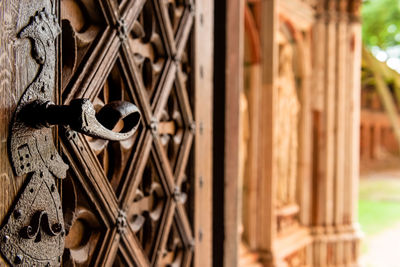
(353, 145)
(267, 183)
(305, 134)
(340, 196)
(337, 34)
(254, 86)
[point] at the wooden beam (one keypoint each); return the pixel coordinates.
(203, 181)
(228, 85)
(267, 183)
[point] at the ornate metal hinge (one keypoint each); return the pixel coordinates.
(33, 234)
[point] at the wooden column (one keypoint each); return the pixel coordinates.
(337, 34)
(254, 88)
(353, 145)
(305, 134)
(267, 183)
(322, 176)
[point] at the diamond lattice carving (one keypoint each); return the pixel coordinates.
(178, 16)
(172, 128)
(120, 260)
(142, 185)
(82, 24)
(186, 186)
(177, 9)
(185, 72)
(148, 48)
(175, 252)
(147, 212)
(85, 228)
(114, 157)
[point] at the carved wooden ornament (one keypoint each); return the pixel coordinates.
(34, 233)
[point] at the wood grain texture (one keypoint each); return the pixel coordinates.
(17, 71)
(144, 201)
(228, 87)
(203, 114)
(336, 234)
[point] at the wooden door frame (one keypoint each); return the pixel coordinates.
(203, 82)
(228, 84)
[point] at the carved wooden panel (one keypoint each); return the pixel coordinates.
(130, 203)
(287, 123)
(273, 217)
(82, 22)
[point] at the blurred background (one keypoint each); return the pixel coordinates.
(379, 199)
(319, 175)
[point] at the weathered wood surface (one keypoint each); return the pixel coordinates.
(336, 172)
(203, 112)
(18, 69)
(228, 87)
(145, 201)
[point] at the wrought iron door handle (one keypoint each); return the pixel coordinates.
(81, 116)
(33, 233)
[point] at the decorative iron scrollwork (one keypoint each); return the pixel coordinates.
(40, 220)
(33, 234)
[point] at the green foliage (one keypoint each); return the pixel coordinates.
(377, 216)
(381, 23)
(379, 204)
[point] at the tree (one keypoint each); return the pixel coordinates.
(381, 30)
(381, 23)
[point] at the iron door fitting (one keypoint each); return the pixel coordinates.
(34, 232)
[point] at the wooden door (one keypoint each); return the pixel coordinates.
(145, 201)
